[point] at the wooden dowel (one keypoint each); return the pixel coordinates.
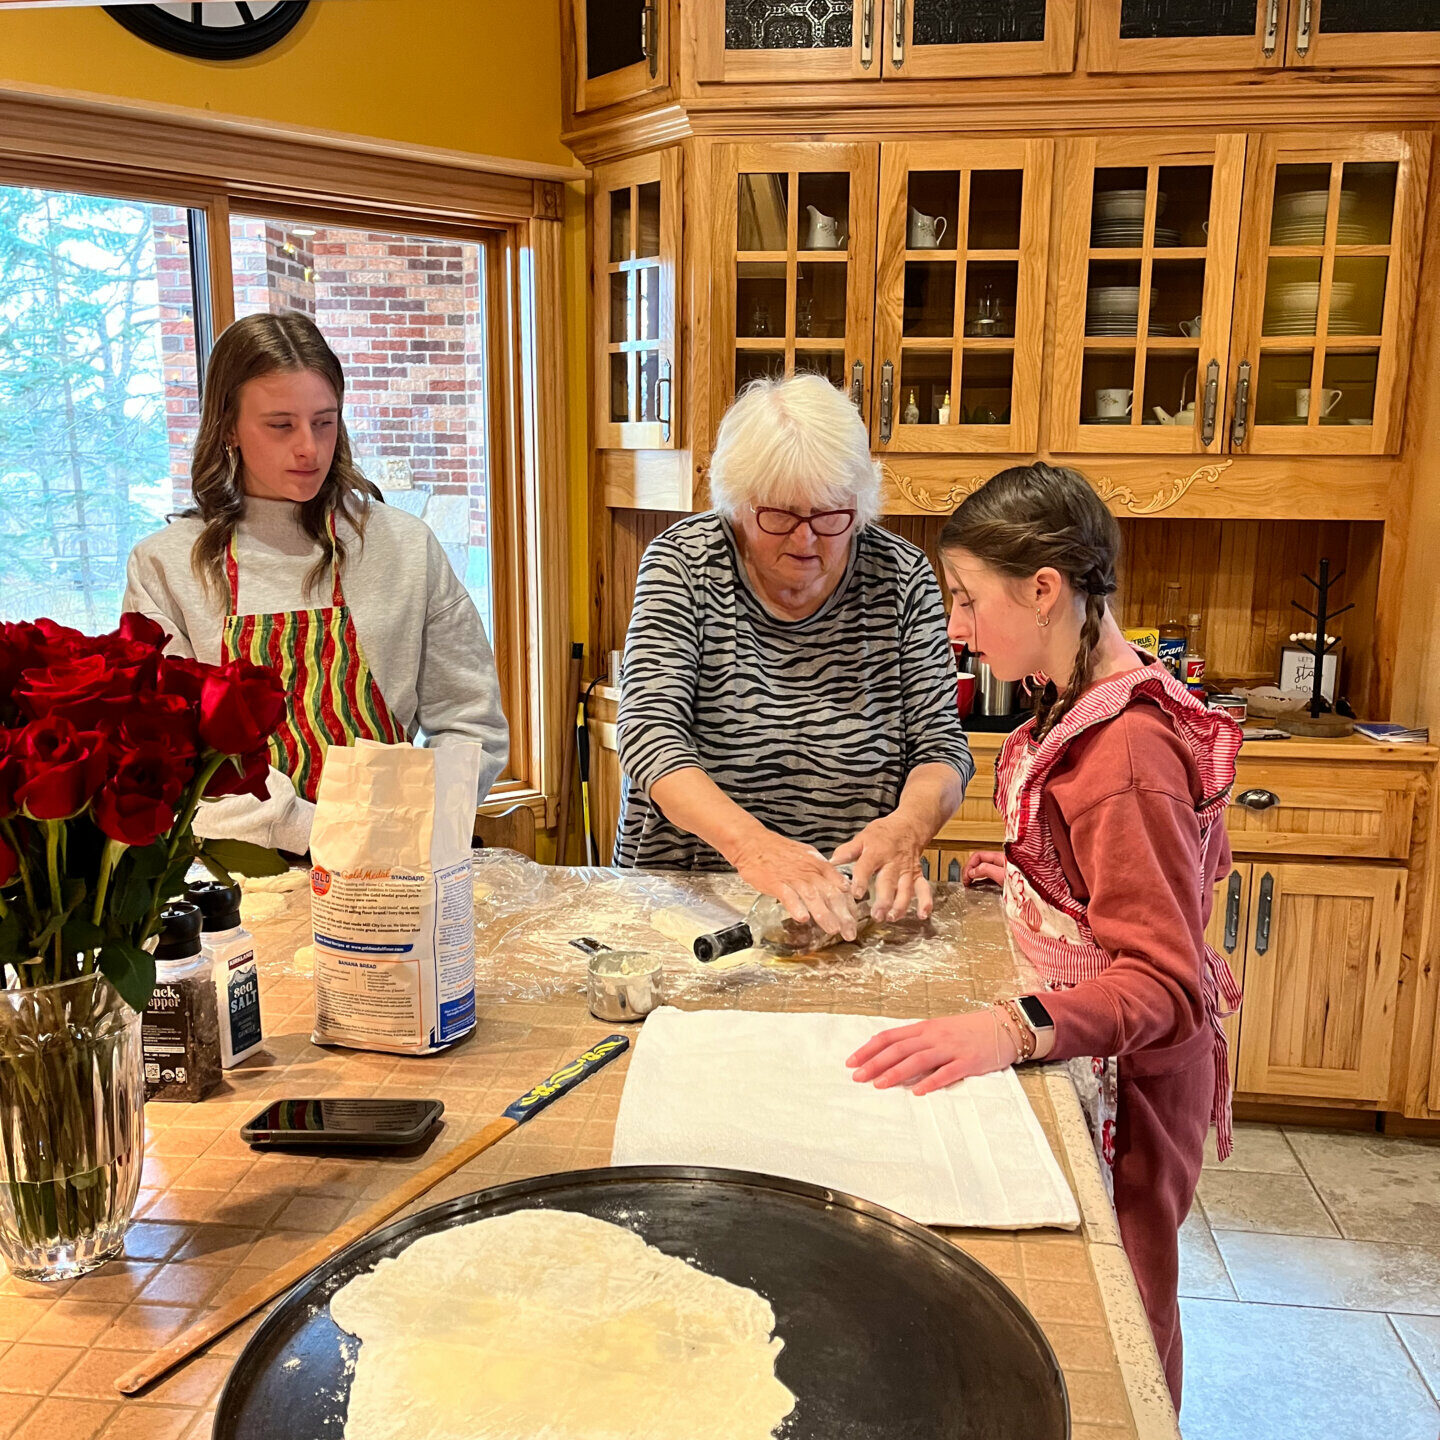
(290, 1274)
(567, 752)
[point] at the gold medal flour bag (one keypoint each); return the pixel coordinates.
(392, 896)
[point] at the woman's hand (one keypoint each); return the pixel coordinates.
(985, 865)
(799, 877)
(936, 1053)
(888, 851)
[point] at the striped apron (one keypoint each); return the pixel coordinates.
(1046, 919)
(331, 697)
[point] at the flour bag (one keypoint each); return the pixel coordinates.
(392, 896)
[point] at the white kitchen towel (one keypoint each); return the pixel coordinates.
(748, 1090)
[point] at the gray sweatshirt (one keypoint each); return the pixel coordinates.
(418, 627)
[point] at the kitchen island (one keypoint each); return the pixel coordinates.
(215, 1216)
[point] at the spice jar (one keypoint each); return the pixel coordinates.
(180, 1034)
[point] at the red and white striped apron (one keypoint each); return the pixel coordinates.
(1047, 920)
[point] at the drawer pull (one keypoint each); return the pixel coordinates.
(1257, 799)
(1262, 915)
(1232, 913)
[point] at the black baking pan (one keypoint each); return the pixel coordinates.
(891, 1333)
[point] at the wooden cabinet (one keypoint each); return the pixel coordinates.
(782, 40)
(1226, 934)
(620, 49)
(1322, 978)
(634, 272)
(796, 283)
(1159, 35)
(958, 39)
(1149, 228)
(1325, 293)
(1364, 32)
(960, 295)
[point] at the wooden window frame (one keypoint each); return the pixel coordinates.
(219, 166)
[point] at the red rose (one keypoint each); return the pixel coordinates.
(240, 706)
(250, 780)
(63, 768)
(83, 690)
(11, 773)
(22, 645)
(153, 771)
(142, 630)
(9, 863)
(133, 818)
(163, 721)
(182, 676)
(61, 642)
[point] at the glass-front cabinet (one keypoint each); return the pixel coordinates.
(960, 295)
(799, 292)
(634, 269)
(939, 39)
(1364, 32)
(760, 40)
(620, 49)
(1330, 255)
(1149, 233)
(1187, 34)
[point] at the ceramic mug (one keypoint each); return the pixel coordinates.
(1191, 328)
(926, 231)
(1113, 404)
(1329, 399)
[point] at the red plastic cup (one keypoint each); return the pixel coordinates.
(964, 692)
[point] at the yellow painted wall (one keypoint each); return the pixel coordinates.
(476, 75)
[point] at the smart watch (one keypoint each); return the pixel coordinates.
(1037, 1017)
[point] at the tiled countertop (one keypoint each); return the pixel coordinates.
(214, 1216)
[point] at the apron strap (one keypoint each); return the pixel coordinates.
(337, 596)
(232, 571)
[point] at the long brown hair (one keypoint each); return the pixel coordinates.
(255, 346)
(1033, 516)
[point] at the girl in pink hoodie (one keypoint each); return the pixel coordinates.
(1113, 797)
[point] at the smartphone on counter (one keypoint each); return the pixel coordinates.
(367, 1124)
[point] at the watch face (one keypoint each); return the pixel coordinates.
(1035, 1013)
(233, 30)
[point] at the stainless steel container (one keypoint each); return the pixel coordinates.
(992, 696)
(623, 984)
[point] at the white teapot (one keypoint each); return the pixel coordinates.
(1185, 416)
(824, 232)
(926, 231)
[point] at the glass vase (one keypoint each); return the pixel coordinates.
(72, 1126)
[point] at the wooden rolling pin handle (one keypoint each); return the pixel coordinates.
(279, 1281)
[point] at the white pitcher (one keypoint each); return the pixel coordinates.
(824, 231)
(926, 231)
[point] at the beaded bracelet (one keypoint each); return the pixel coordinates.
(1024, 1037)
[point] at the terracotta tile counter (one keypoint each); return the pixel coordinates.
(215, 1216)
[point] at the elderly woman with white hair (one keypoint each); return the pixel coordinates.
(788, 693)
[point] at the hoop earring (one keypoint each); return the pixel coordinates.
(1041, 619)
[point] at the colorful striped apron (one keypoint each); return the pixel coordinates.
(331, 697)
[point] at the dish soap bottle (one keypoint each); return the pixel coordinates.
(911, 415)
(230, 948)
(769, 924)
(180, 1031)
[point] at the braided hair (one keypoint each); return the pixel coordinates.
(1033, 516)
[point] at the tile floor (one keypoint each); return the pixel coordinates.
(1310, 1289)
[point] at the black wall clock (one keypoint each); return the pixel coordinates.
(217, 30)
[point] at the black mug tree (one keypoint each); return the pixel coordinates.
(1319, 642)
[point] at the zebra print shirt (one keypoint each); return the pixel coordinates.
(811, 725)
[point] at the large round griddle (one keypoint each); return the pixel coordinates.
(890, 1332)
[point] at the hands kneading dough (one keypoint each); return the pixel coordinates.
(549, 1323)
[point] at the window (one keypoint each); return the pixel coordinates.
(98, 401)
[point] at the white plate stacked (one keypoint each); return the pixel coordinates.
(1299, 218)
(1291, 309)
(1111, 234)
(1115, 310)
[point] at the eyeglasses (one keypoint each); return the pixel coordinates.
(787, 522)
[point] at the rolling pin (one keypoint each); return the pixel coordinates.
(294, 1271)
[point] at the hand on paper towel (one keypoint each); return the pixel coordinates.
(935, 1053)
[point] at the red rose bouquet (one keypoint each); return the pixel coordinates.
(107, 748)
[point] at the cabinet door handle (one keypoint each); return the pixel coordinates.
(953, 873)
(925, 866)
(1272, 27)
(1212, 401)
(857, 385)
(1232, 913)
(1304, 28)
(1262, 914)
(887, 400)
(897, 40)
(1241, 427)
(1257, 799)
(867, 33)
(648, 48)
(663, 399)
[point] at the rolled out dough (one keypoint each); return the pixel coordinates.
(547, 1325)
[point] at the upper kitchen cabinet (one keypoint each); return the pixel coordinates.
(634, 269)
(1158, 35)
(960, 294)
(620, 50)
(795, 263)
(1148, 235)
(784, 40)
(1325, 296)
(943, 39)
(1364, 32)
